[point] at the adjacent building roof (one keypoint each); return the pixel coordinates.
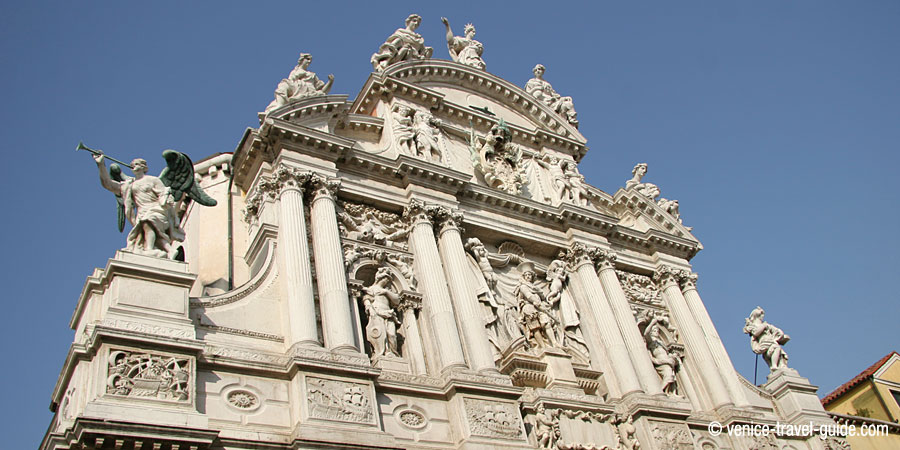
(855, 381)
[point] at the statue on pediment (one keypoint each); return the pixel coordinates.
(541, 90)
(427, 130)
(499, 160)
(465, 49)
(300, 84)
(151, 204)
(766, 339)
(648, 190)
(404, 45)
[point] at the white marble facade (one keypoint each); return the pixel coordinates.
(405, 270)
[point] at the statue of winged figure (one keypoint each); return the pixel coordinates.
(152, 204)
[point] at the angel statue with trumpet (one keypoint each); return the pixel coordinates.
(152, 204)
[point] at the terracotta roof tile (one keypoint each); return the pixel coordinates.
(863, 376)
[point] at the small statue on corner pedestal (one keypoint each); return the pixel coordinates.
(404, 45)
(300, 84)
(152, 204)
(766, 340)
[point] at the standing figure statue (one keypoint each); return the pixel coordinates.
(545, 425)
(625, 431)
(568, 184)
(544, 93)
(766, 339)
(663, 358)
(404, 133)
(535, 313)
(380, 301)
(300, 84)
(152, 204)
(427, 130)
(464, 49)
(404, 45)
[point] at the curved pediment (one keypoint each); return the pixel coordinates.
(472, 94)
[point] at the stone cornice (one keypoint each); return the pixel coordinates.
(308, 107)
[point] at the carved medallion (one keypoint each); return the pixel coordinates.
(243, 399)
(413, 419)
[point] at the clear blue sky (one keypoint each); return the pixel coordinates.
(775, 123)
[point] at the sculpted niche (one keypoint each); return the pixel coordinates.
(404, 45)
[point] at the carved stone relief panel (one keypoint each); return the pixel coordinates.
(340, 400)
(493, 419)
(150, 375)
(640, 289)
(367, 224)
(671, 436)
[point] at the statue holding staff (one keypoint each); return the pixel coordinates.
(152, 204)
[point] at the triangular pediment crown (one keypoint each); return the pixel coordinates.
(638, 213)
(469, 95)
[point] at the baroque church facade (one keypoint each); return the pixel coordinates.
(422, 266)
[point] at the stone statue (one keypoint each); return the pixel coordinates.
(564, 307)
(464, 49)
(568, 184)
(648, 190)
(626, 430)
(404, 45)
(546, 423)
(544, 93)
(665, 359)
(152, 204)
(501, 318)
(427, 130)
(535, 313)
(671, 207)
(766, 340)
(380, 301)
(300, 84)
(404, 133)
(367, 224)
(499, 160)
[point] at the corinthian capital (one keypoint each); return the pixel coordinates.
(286, 177)
(666, 275)
(580, 254)
(416, 211)
(447, 218)
(605, 260)
(322, 186)
(689, 281)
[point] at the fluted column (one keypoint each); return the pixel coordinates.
(693, 336)
(465, 303)
(331, 278)
(415, 350)
(582, 260)
(634, 342)
(293, 251)
(430, 273)
(720, 356)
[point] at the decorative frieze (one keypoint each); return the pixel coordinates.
(341, 401)
(153, 375)
(671, 436)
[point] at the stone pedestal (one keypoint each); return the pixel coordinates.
(796, 397)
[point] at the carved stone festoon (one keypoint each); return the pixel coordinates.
(422, 266)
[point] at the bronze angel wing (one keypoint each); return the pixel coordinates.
(115, 172)
(179, 176)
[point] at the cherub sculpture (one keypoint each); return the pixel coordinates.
(152, 204)
(300, 84)
(405, 44)
(766, 340)
(464, 49)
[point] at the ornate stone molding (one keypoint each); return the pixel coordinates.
(323, 187)
(147, 328)
(410, 300)
(667, 275)
(689, 282)
(580, 254)
(272, 186)
(448, 218)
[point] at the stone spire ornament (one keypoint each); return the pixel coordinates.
(404, 45)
